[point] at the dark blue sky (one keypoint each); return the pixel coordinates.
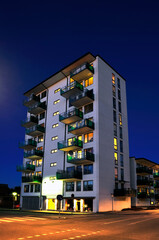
(38, 38)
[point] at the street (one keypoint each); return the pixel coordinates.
(117, 225)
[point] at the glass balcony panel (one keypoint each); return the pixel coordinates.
(81, 127)
(32, 179)
(26, 168)
(81, 157)
(37, 108)
(29, 122)
(73, 89)
(71, 116)
(82, 72)
(31, 100)
(28, 144)
(143, 170)
(71, 144)
(68, 175)
(33, 154)
(82, 99)
(156, 176)
(35, 131)
(144, 182)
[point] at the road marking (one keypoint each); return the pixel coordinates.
(68, 230)
(57, 232)
(37, 235)
(71, 238)
(121, 220)
(16, 219)
(3, 220)
(38, 218)
(77, 236)
(20, 238)
(62, 231)
(83, 235)
(142, 221)
(44, 234)
(50, 233)
(30, 237)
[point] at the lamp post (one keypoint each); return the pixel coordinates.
(14, 194)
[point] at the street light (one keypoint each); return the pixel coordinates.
(14, 194)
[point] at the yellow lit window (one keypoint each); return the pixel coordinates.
(70, 141)
(53, 150)
(79, 154)
(115, 156)
(54, 138)
(113, 79)
(38, 173)
(57, 90)
(120, 119)
(56, 101)
(89, 82)
(80, 138)
(55, 113)
(71, 80)
(88, 137)
(115, 144)
(55, 125)
(39, 163)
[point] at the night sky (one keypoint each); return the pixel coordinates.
(38, 38)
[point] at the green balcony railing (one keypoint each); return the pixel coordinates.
(86, 97)
(26, 168)
(29, 142)
(67, 144)
(68, 175)
(74, 114)
(85, 123)
(80, 157)
(34, 179)
(33, 153)
(34, 129)
(72, 89)
(30, 100)
(145, 170)
(82, 72)
(156, 175)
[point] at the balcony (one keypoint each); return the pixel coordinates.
(83, 72)
(31, 100)
(124, 192)
(28, 144)
(32, 179)
(26, 168)
(69, 175)
(82, 99)
(84, 126)
(37, 108)
(35, 131)
(34, 154)
(71, 116)
(73, 89)
(143, 171)
(156, 176)
(75, 144)
(29, 122)
(83, 157)
(144, 182)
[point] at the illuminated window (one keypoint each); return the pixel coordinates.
(113, 90)
(116, 173)
(40, 148)
(39, 163)
(69, 141)
(120, 120)
(79, 154)
(55, 113)
(80, 137)
(38, 173)
(119, 106)
(53, 150)
(57, 90)
(116, 158)
(113, 79)
(54, 138)
(88, 82)
(55, 125)
(56, 101)
(88, 137)
(115, 144)
(115, 129)
(53, 164)
(71, 80)
(40, 139)
(114, 116)
(114, 103)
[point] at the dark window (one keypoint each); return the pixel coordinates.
(31, 188)
(78, 186)
(116, 185)
(88, 108)
(115, 130)
(114, 103)
(121, 146)
(42, 115)
(79, 168)
(37, 187)
(88, 169)
(26, 188)
(114, 116)
(69, 186)
(121, 132)
(119, 106)
(119, 95)
(88, 185)
(122, 174)
(70, 169)
(43, 94)
(118, 81)
(121, 160)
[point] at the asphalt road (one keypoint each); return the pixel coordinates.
(125, 225)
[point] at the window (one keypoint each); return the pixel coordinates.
(113, 90)
(88, 185)
(121, 132)
(121, 146)
(121, 160)
(122, 174)
(38, 173)
(57, 90)
(78, 186)
(71, 80)
(56, 101)
(115, 144)
(31, 187)
(88, 169)
(55, 125)
(89, 82)
(118, 82)
(120, 120)
(116, 158)
(88, 137)
(114, 103)
(119, 106)
(43, 94)
(42, 115)
(53, 164)
(40, 148)
(39, 163)
(54, 138)
(114, 116)
(88, 108)
(55, 113)
(26, 188)
(69, 186)
(113, 79)
(119, 94)
(53, 150)
(37, 187)
(40, 139)
(116, 173)
(115, 129)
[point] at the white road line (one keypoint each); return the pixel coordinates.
(142, 221)
(130, 219)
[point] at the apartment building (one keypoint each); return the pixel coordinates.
(144, 177)
(76, 141)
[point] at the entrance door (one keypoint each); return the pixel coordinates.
(78, 208)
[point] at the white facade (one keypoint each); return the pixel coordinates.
(102, 183)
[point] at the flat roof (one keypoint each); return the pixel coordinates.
(64, 72)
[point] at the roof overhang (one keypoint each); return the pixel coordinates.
(146, 162)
